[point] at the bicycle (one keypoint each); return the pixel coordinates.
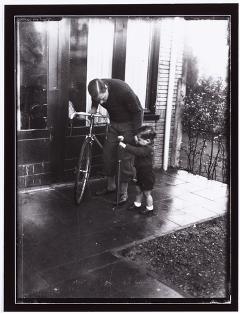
(85, 158)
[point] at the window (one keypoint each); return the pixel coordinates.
(137, 42)
(78, 62)
(137, 55)
(103, 47)
(100, 51)
(32, 74)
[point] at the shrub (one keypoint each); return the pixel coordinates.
(205, 123)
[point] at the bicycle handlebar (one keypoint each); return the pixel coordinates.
(94, 115)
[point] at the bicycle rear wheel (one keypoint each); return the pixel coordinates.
(83, 171)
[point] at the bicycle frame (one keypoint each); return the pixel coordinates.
(91, 116)
(91, 135)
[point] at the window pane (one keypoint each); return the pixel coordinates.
(100, 51)
(78, 62)
(137, 56)
(32, 74)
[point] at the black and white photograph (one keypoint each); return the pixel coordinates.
(122, 130)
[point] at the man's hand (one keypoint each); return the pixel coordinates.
(120, 138)
(71, 116)
(92, 110)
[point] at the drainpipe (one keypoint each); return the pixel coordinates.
(173, 63)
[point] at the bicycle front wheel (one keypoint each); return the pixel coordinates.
(83, 171)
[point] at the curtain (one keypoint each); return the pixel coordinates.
(137, 55)
(100, 52)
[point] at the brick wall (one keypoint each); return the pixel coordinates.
(34, 174)
(34, 162)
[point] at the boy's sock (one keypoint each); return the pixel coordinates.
(149, 207)
(137, 204)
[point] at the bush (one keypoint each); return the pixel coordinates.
(205, 123)
(205, 107)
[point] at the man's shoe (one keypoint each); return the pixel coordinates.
(147, 212)
(133, 207)
(122, 200)
(105, 191)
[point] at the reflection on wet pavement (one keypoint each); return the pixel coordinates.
(65, 251)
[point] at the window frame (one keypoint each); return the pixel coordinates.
(153, 65)
(119, 61)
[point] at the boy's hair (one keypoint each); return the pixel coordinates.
(146, 132)
(96, 87)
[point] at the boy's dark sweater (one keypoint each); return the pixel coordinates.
(143, 155)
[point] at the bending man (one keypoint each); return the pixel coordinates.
(125, 114)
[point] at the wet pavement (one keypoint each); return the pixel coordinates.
(69, 251)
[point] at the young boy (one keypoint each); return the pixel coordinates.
(143, 152)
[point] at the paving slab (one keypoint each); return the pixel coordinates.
(116, 280)
(65, 250)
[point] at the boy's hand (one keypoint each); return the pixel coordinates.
(120, 138)
(121, 144)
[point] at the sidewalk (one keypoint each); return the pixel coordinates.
(69, 251)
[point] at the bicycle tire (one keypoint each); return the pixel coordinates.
(83, 171)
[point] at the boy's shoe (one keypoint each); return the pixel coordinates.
(133, 207)
(147, 212)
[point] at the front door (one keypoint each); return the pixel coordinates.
(53, 55)
(42, 98)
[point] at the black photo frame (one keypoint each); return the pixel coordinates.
(10, 184)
